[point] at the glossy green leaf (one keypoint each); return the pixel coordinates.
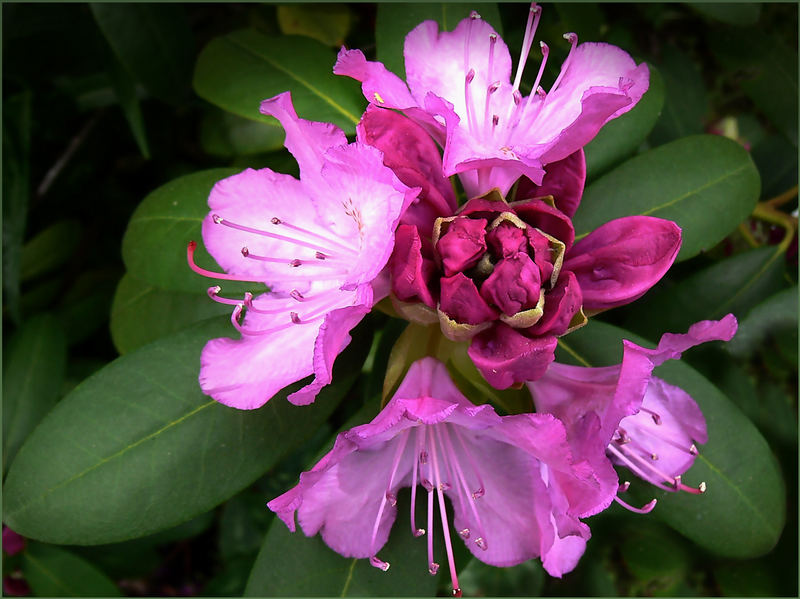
(55, 572)
(654, 554)
(395, 21)
(138, 448)
(744, 509)
(33, 372)
(621, 137)
(154, 246)
(776, 312)
(732, 13)
(735, 284)
(83, 309)
(707, 184)
(291, 564)
(776, 159)
(685, 100)
(226, 134)
(238, 71)
(49, 249)
(16, 189)
(142, 313)
(327, 23)
(153, 42)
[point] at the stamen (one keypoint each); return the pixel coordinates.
(655, 416)
(386, 497)
(645, 509)
(572, 39)
(222, 221)
(380, 564)
(213, 294)
(417, 532)
(534, 93)
(492, 43)
(468, 100)
(534, 15)
(625, 459)
(679, 486)
(190, 249)
(624, 486)
(295, 262)
(445, 526)
(480, 491)
(283, 223)
(295, 294)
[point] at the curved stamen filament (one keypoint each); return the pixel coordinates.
(443, 513)
(477, 493)
(320, 260)
(387, 496)
(645, 509)
(190, 249)
(417, 532)
(530, 31)
(572, 39)
(213, 293)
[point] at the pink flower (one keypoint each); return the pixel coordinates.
(508, 278)
(625, 415)
(460, 89)
(13, 542)
(516, 492)
(317, 243)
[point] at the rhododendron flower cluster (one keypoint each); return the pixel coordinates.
(494, 265)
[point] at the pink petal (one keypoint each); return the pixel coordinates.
(564, 180)
(414, 157)
(306, 140)
(412, 270)
(620, 260)
(333, 337)
(439, 62)
(355, 177)
(601, 82)
(462, 302)
(506, 357)
(380, 86)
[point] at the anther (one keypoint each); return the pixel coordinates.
(295, 263)
(320, 256)
(702, 487)
(474, 15)
(464, 533)
(495, 120)
(433, 568)
(693, 449)
(493, 87)
(245, 252)
(445, 486)
(456, 592)
(392, 498)
(477, 494)
(217, 219)
(378, 563)
(492, 38)
(517, 97)
(295, 317)
(423, 457)
(419, 532)
(426, 484)
(624, 486)
(296, 295)
(275, 220)
(480, 542)
(470, 76)
(654, 456)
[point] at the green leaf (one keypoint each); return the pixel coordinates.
(482, 580)
(767, 69)
(84, 307)
(327, 23)
(685, 100)
(732, 13)
(225, 134)
(125, 90)
(707, 184)
(33, 373)
(776, 312)
(395, 21)
(54, 572)
(291, 564)
(49, 249)
(735, 284)
(154, 245)
(776, 159)
(16, 189)
(153, 42)
(238, 71)
(621, 137)
(744, 509)
(138, 448)
(142, 313)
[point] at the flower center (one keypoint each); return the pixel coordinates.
(436, 453)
